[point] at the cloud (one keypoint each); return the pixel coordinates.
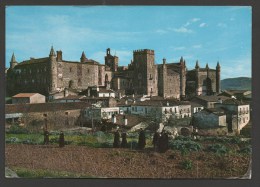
(187, 24)
(202, 25)
(223, 25)
(179, 48)
(161, 31)
(182, 30)
(197, 46)
(195, 19)
(242, 68)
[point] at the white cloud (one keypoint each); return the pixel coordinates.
(195, 19)
(202, 25)
(197, 46)
(186, 24)
(179, 48)
(182, 30)
(223, 25)
(242, 68)
(161, 31)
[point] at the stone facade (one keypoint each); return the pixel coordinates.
(203, 81)
(53, 74)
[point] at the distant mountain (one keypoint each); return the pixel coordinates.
(239, 83)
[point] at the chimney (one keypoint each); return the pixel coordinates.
(66, 92)
(125, 120)
(126, 101)
(113, 118)
(167, 103)
(59, 56)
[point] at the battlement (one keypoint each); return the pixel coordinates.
(144, 51)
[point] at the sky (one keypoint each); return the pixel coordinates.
(205, 33)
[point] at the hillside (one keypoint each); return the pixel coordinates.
(239, 83)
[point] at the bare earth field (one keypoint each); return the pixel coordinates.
(125, 163)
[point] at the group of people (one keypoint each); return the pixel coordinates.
(117, 143)
(160, 140)
(46, 139)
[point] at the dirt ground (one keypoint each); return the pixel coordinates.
(124, 163)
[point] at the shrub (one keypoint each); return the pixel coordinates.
(185, 146)
(12, 140)
(186, 164)
(218, 148)
(246, 150)
(16, 129)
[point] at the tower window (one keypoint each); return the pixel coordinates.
(70, 69)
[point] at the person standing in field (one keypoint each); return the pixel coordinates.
(124, 140)
(141, 140)
(116, 143)
(61, 140)
(46, 137)
(156, 137)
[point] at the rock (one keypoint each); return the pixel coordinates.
(10, 173)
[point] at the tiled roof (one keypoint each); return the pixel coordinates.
(43, 107)
(216, 111)
(104, 90)
(232, 102)
(210, 98)
(24, 95)
(132, 120)
(72, 97)
(33, 60)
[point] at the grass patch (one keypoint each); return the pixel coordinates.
(27, 173)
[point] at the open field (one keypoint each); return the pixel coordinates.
(84, 161)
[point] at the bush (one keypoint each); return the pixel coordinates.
(218, 148)
(16, 129)
(12, 140)
(184, 138)
(246, 150)
(187, 164)
(185, 146)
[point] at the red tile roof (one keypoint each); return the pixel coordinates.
(24, 95)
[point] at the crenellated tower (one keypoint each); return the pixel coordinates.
(111, 61)
(145, 72)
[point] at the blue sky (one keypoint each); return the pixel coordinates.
(207, 34)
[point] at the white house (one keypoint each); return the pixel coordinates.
(238, 113)
(99, 113)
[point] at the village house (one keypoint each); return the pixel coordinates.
(208, 101)
(99, 113)
(56, 114)
(238, 113)
(96, 91)
(28, 98)
(210, 118)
